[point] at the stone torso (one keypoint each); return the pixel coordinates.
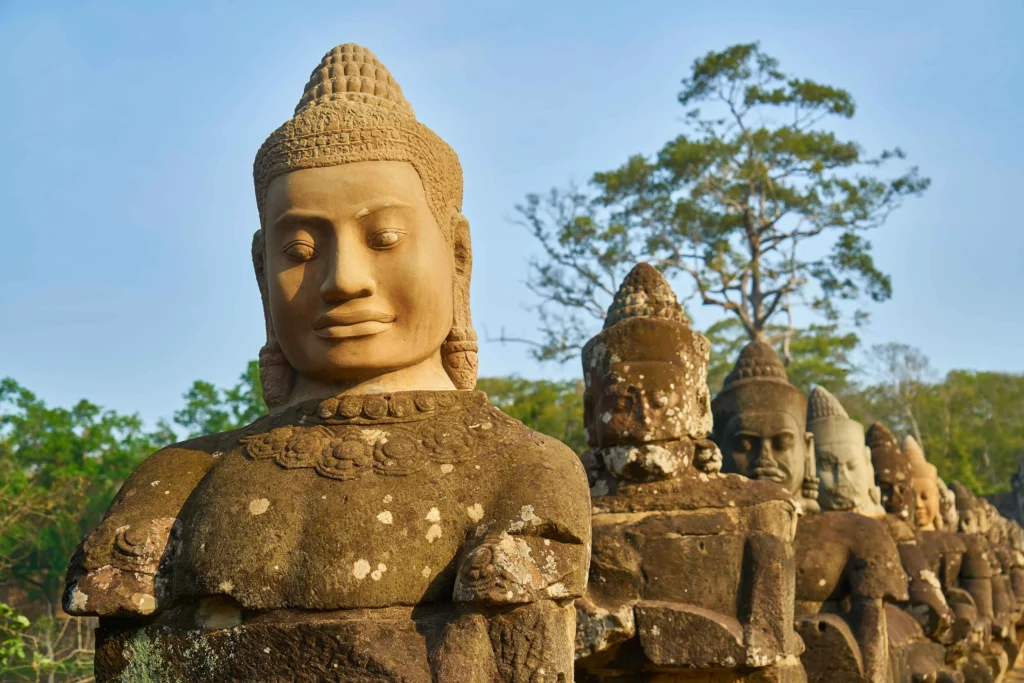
(378, 526)
(379, 529)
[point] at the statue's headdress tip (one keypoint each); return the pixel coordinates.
(821, 404)
(351, 71)
(757, 360)
(879, 436)
(645, 293)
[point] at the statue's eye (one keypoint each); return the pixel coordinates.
(300, 251)
(385, 239)
(783, 442)
(852, 465)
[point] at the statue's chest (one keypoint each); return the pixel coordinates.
(317, 521)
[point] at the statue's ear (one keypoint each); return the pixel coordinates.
(277, 376)
(459, 351)
(461, 246)
(812, 460)
(258, 266)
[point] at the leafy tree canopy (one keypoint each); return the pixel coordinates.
(730, 204)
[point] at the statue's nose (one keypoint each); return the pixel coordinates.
(350, 275)
(765, 455)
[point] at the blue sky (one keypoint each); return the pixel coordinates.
(128, 131)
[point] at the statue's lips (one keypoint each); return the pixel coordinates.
(841, 502)
(770, 473)
(348, 324)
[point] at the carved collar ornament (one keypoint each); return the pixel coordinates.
(395, 434)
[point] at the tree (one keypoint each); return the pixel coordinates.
(552, 408)
(731, 204)
(904, 372)
(59, 469)
(209, 410)
(820, 354)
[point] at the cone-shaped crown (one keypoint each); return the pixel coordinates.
(965, 499)
(879, 437)
(822, 403)
(351, 71)
(645, 293)
(757, 360)
(890, 464)
(919, 467)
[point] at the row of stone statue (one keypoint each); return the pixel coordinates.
(385, 523)
(896, 576)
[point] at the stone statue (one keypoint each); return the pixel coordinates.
(977, 577)
(936, 521)
(847, 566)
(925, 481)
(692, 570)
(760, 424)
(847, 478)
(927, 604)
(384, 522)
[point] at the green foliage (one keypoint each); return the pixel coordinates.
(209, 410)
(969, 422)
(730, 204)
(12, 628)
(552, 408)
(819, 354)
(59, 470)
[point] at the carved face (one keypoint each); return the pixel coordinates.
(768, 445)
(847, 478)
(969, 522)
(926, 511)
(898, 497)
(358, 272)
(646, 403)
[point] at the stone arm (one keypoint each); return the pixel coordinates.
(927, 603)
(115, 571)
(518, 577)
(876, 576)
(769, 631)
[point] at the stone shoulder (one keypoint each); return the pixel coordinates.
(543, 483)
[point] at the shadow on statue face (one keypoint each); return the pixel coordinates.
(641, 406)
(767, 445)
(898, 498)
(359, 274)
(926, 509)
(969, 523)
(846, 475)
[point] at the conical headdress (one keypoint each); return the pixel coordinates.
(827, 418)
(919, 467)
(758, 382)
(821, 404)
(965, 499)
(353, 110)
(889, 461)
(645, 293)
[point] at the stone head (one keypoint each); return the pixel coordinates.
(1016, 536)
(925, 479)
(991, 521)
(892, 472)
(645, 373)
(967, 509)
(947, 507)
(363, 256)
(760, 424)
(847, 478)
